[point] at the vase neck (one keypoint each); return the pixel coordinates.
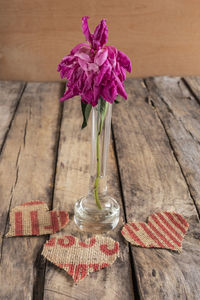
(100, 140)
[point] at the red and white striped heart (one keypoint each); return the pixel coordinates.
(163, 230)
(34, 218)
(79, 258)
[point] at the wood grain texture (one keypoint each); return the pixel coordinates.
(180, 114)
(156, 134)
(193, 83)
(161, 37)
(27, 166)
(153, 181)
(10, 93)
(72, 179)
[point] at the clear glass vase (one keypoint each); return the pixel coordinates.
(98, 212)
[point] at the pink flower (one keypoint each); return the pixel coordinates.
(94, 70)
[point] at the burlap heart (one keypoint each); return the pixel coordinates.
(163, 230)
(34, 218)
(79, 258)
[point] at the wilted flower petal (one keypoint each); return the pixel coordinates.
(101, 56)
(100, 35)
(85, 29)
(96, 95)
(105, 69)
(83, 64)
(68, 94)
(93, 67)
(77, 47)
(124, 61)
(120, 88)
(109, 92)
(83, 53)
(112, 55)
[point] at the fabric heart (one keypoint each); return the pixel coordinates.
(163, 230)
(79, 258)
(34, 218)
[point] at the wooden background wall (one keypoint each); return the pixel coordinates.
(161, 37)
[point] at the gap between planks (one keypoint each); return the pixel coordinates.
(152, 179)
(23, 137)
(18, 99)
(150, 100)
(40, 263)
(134, 277)
(13, 116)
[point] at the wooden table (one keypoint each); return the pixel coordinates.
(154, 165)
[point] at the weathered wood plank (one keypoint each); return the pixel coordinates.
(72, 178)
(27, 166)
(193, 83)
(152, 181)
(10, 94)
(180, 114)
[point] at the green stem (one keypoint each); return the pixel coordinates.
(96, 184)
(102, 110)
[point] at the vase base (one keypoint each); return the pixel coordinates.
(88, 217)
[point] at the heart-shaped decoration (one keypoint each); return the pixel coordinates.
(163, 230)
(34, 218)
(79, 258)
